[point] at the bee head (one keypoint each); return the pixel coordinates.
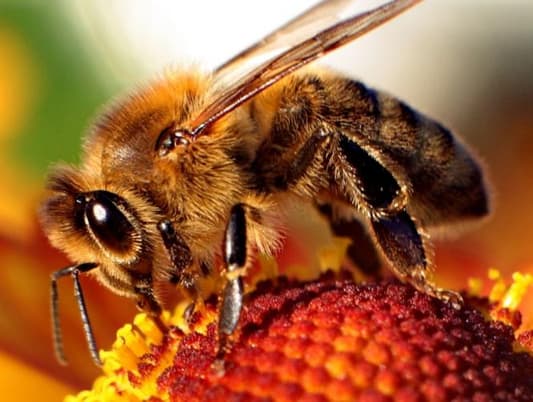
(93, 225)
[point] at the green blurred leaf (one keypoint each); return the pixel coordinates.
(70, 88)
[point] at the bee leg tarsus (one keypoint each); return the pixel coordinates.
(231, 307)
(451, 297)
(229, 315)
(420, 281)
(427, 286)
(402, 245)
(146, 301)
(74, 271)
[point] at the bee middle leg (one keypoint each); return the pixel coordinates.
(362, 250)
(235, 257)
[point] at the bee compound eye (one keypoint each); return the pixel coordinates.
(108, 224)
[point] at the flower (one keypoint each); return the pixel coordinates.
(47, 97)
(325, 340)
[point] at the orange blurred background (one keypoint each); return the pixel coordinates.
(469, 65)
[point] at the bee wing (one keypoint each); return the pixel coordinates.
(323, 15)
(318, 42)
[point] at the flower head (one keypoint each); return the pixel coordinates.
(325, 340)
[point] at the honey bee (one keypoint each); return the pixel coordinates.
(197, 167)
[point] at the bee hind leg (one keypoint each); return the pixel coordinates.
(365, 179)
(402, 245)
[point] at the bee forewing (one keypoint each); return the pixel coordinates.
(319, 39)
(323, 15)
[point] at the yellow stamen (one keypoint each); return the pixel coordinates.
(475, 286)
(516, 291)
(333, 255)
(499, 288)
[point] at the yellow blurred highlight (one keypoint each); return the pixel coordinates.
(498, 288)
(475, 287)
(517, 290)
(332, 255)
(18, 83)
(18, 89)
(25, 383)
(507, 296)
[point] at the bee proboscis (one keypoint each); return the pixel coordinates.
(196, 167)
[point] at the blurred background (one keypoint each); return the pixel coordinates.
(467, 64)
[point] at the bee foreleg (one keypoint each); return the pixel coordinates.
(181, 259)
(179, 254)
(146, 301)
(78, 294)
(235, 256)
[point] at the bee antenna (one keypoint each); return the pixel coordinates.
(78, 294)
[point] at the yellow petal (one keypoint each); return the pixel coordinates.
(21, 382)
